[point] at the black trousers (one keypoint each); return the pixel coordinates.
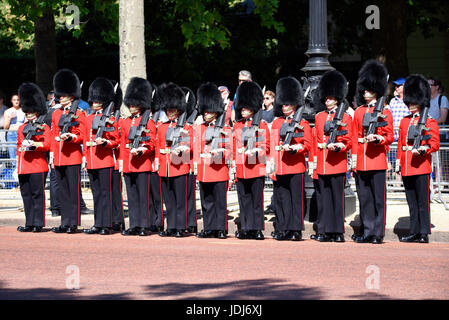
(156, 204)
(213, 205)
(68, 179)
(319, 207)
(250, 196)
(138, 191)
(417, 192)
(118, 215)
(331, 195)
(372, 193)
(32, 189)
(191, 200)
(55, 203)
(289, 193)
(101, 185)
(174, 191)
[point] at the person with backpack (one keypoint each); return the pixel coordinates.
(439, 106)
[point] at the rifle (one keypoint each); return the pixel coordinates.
(31, 130)
(415, 132)
(331, 127)
(288, 130)
(371, 120)
(173, 135)
(213, 135)
(66, 120)
(99, 123)
(249, 137)
(192, 117)
(136, 133)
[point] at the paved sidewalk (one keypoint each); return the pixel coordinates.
(397, 223)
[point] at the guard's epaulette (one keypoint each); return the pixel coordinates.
(321, 112)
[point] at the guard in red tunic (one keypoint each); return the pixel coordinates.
(212, 155)
(251, 147)
(331, 157)
(156, 200)
(118, 214)
(101, 137)
(137, 142)
(33, 142)
(67, 135)
(289, 157)
(418, 138)
(175, 144)
(192, 114)
(373, 133)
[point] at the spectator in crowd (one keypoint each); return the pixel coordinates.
(3, 108)
(268, 105)
(439, 104)
(397, 106)
(399, 110)
(13, 118)
(244, 75)
(227, 103)
(50, 99)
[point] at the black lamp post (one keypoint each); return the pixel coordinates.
(318, 51)
(315, 67)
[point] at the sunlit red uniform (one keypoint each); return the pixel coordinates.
(136, 171)
(415, 171)
(289, 171)
(372, 165)
(174, 172)
(331, 170)
(250, 174)
(213, 176)
(32, 168)
(67, 158)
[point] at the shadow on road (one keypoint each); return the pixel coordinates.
(53, 294)
(262, 289)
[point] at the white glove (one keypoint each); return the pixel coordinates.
(27, 143)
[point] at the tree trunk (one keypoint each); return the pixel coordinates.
(45, 50)
(390, 42)
(132, 42)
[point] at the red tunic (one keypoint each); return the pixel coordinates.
(172, 165)
(250, 167)
(285, 161)
(33, 161)
(331, 162)
(371, 156)
(416, 164)
(139, 162)
(212, 169)
(99, 157)
(67, 153)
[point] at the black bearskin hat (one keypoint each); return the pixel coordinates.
(66, 83)
(118, 96)
(417, 91)
(250, 96)
(191, 101)
(172, 97)
(209, 99)
(102, 91)
(32, 99)
(288, 91)
(138, 93)
(158, 99)
(372, 77)
(332, 84)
